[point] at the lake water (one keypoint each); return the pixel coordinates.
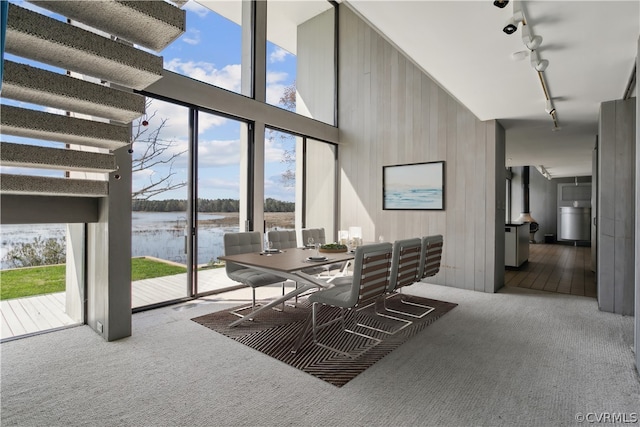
(157, 234)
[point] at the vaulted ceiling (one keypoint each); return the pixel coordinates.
(591, 47)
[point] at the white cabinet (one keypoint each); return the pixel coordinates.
(516, 244)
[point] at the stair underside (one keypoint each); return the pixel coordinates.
(39, 185)
(36, 86)
(31, 156)
(54, 127)
(44, 39)
(152, 24)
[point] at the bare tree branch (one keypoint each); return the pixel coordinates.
(288, 102)
(151, 151)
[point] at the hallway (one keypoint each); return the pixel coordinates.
(556, 268)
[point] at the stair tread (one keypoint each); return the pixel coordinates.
(43, 185)
(25, 83)
(150, 24)
(56, 43)
(32, 156)
(28, 123)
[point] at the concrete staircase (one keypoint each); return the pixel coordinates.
(99, 106)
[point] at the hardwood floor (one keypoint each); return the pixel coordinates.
(556, 268)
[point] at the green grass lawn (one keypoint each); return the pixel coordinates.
(144, 268)
(24, 282)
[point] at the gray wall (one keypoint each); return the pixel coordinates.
(391, 112)
(615, 214)
(109, 257)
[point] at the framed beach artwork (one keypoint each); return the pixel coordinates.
(416, 186)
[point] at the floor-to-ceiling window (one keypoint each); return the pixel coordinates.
(160, 164)
(218, 152)
(216, 50)
(300, 58)
(211, 49)
(280, 180)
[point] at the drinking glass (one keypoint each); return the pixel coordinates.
(343, 237)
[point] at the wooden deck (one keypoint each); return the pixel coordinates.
(556, 268)
(22, 316)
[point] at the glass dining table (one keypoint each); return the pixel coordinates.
(290, 264)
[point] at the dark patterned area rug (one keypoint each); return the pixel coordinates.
(276, 333)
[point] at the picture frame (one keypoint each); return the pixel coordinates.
(413, 186)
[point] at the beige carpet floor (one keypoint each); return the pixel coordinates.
(515, 358)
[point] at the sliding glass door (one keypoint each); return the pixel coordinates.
(280, 180)
(218, 196)
(159, 204)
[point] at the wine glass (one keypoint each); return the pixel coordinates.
(310, 242)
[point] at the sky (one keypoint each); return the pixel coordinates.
(209, 51)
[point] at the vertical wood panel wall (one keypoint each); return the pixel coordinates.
(390, 112)
(615, 213)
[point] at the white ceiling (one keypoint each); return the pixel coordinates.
(591, 47)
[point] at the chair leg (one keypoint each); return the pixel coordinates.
(295, 303)
(428, 309)
(405, 323)
(315, 327)
(248, 307)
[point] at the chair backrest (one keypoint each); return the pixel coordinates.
(431, 255)
(316, 233)
(282, 239)
(371, 268)
(405, 263)
(241, 243)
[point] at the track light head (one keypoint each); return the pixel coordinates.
(500, 3)
(532, 43)
(549, 108)
(512, 24)
(539, 65)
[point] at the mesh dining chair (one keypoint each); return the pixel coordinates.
(431, 257)
(405, 263)
(242, 243)
(429, 265)
(318, 236)
(282, 239)
(371, 267)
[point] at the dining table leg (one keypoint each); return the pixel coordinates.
(299, 290)
(303, 334)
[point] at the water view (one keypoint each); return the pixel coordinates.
(157, 234)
